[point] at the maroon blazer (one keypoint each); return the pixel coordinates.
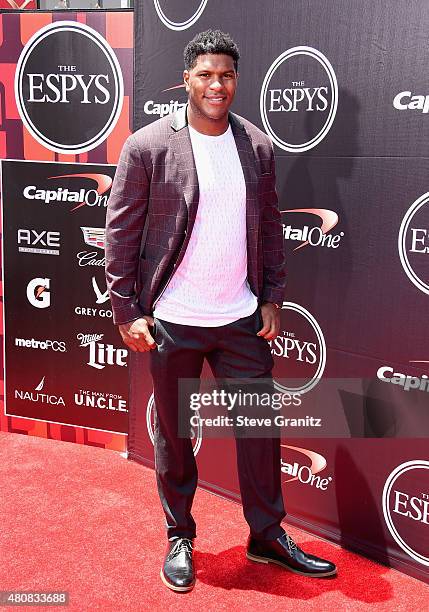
(152, 209)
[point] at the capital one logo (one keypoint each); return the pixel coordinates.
(38, 293)
(179, 25)
(95, 196)
(413, 243)
(303, 473)
(196, 432)
(68, 87)
(299, 99)
(313, 235)
(406, 508)
(299, 350)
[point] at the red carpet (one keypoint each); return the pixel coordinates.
(86, 520)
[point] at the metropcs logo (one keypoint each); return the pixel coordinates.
(38, 293)
(297, 114)
(83, 197)
(413, 243)
(94, 237)
(101, 400)
(408, 382)
(306, 474)
(68, 87)
(303, 344)
(196, 432)
(317, 235)
(37, 397)
(43, 242)
(101, 354)
(44, 345)
(406, 508)
(406, 101)
(164, 108)
(179, 25)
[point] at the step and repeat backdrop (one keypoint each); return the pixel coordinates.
(340, 87)
(66, 109)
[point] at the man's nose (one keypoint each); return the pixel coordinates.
(216, 84)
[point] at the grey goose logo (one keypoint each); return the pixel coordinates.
(68, 87)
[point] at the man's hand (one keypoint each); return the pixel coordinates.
(271, 321)
(136, 335)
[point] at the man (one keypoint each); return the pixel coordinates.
(198, 189)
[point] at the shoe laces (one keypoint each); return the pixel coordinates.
(182, 545)
(290, 543)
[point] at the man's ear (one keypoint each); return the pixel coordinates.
(186, 79)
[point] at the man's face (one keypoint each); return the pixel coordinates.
(211, 85)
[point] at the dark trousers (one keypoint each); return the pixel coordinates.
(232, 351)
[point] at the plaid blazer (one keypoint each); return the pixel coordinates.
(152, 209)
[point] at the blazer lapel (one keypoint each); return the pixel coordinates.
(182, 147)
(248, 163)
(180, 142)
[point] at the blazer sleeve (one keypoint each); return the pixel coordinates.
(125, 220)
(274, 273)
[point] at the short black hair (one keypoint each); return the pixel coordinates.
(210, 41)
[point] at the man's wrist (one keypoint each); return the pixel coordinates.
(277, 306)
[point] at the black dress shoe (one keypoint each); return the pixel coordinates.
(178, 570)
(286, 553)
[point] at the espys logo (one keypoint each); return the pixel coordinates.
(179, 25)
(302, 343)
(94, 237)
(83, 197)
(406, 508)
(306, 474)
(42, 242)
(408, 382)
(164, 108)
(315, 236)
(35, 396)
(297, 114)
(68, 87)
(413, 243)
(38, 293)
(196, 432)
